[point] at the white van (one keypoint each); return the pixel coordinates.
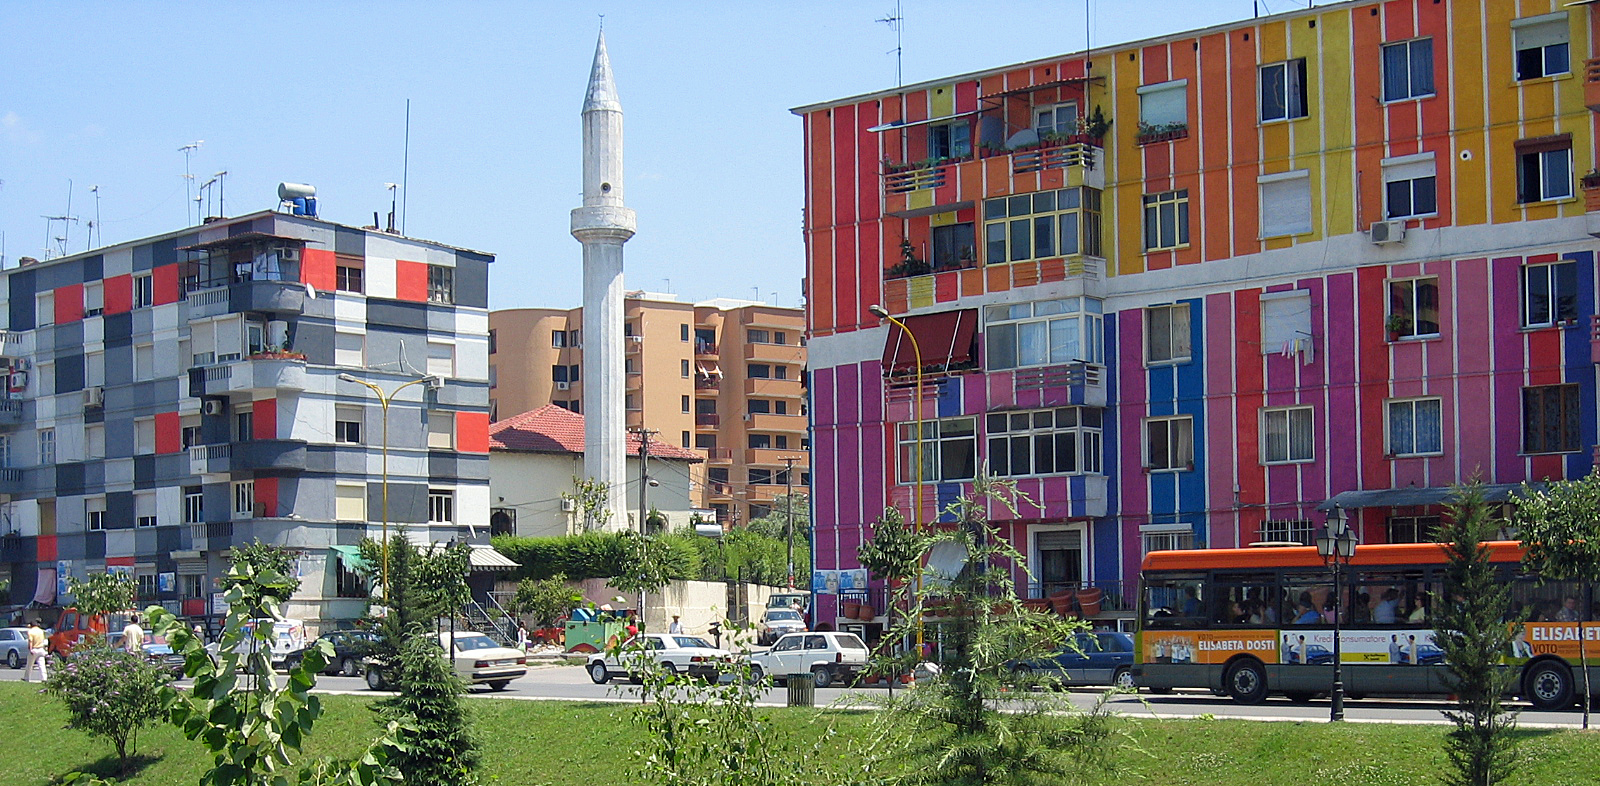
(288, 636)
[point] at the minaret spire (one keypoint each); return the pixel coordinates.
(602, 225)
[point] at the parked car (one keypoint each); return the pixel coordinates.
(475, 657)
(776, 622)
(682, 654)
(1099, 658)
(828, 656)
(156, 650)
(350, 648)
(288, 637)
(14, 646)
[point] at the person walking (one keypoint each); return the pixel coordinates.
(133, 635)
(522, 637)
(38, 652)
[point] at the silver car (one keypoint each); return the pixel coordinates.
(14, 646)
(777, 622)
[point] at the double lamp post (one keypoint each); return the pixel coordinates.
(1337, 546)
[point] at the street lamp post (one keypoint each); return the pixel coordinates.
(383, 403)
(1337, 546)
(916, 494)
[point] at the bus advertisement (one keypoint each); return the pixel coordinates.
(1252, 622)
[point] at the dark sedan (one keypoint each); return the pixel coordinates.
(1099, 658)
(349, 648)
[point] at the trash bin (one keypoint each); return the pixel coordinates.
(802, 690)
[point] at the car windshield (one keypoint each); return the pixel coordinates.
(691, 641)
(782, 614)
(470, 643)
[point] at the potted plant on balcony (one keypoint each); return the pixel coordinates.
(909, 264)
(1095, 126)
(1397, 324)
(1591, 190)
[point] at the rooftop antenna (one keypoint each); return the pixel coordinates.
(188, 178)
(222, 193)
(67, 219)
(205, 195)
(667, 282)
(94, 226)
(896, 22)
(405, 172)
(391, 187)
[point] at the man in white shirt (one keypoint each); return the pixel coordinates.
(676, 626)
(133, 636)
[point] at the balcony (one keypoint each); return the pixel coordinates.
(705, 349)
(1071, 383)
(195, 536)
(274, 297)
(633, 344)
(774, 353)
(14, 344)
(790, 388)
(259, 372)
(210, 459)
(761, 421)
(716, 456)
(10, 412)
(717, 489)
(1082, 162)
(635, 381)
(10, 481)
(902, 179)
(707, 420)
(707, 384)
(770, 456)
(1591, 84)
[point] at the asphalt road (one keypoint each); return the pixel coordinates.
(571, 683)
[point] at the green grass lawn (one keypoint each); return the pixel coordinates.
(540, 743)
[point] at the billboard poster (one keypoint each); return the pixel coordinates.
(825, 582)
(1311, 647)
(167, 582)
(1556, 638)
(1208, 646)
(855, 579)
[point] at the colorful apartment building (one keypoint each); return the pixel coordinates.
(172, 397)
(724, 378)
(1195, 290)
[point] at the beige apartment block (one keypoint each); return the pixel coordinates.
(725, 378)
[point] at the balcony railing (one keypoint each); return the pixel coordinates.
(705, 349)
(915, 179)
(209, 459)
(1114, 595)
(10, 412)
(707, 383)
(719, 455)
(1076, 154)
(13, 343)
(708, 419)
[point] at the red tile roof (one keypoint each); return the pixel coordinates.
(553, 429)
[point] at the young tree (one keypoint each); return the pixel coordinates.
(546, 600)
(436, 741)
(112, 694)
(1560, 529)
(892, 555)
(103, 593)
(1475, 637)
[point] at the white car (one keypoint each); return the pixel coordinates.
(777, 622)
(681, 653)
(288, 637)
(476, 658)
(828, 656)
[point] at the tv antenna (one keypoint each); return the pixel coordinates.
(205, 191)
(188, 178)
(391, 187)
(67, 219)
(896, 21)
(94, 226)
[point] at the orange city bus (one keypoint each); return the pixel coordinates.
(1254, 621)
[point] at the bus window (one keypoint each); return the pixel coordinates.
(1241, 599)
(1175, 602)
(1552, 601)
(1392, 598)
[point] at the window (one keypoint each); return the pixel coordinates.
(758, 371)
(94, 513)
(1544, 169)
(147, 583)
(1408, 69)
(1289, 531)
(94, 368)
(494, 376)
(1169, 443)
(1166, 334)
(1168, 539)
(94, 298)
(953, 245)
(755, 336)
(493, 341)
(244, 499)
(683, 369)
(1408, 186)
(1541, 45)
(1164, 106)
(629, 366)
(558, 339)
(1166, 220)
(1045, 442)
(1283, 90)
(1042, 225)
(1413, 529)
(630, 402)
(347, 278)
(574, 338)
(194, 505)
(950, 140)
(441, 359)
(1414, 427)
(144, 509)
(949, 450)
(686, 439)
(47, 446)
(44, 306)
(1043, 333)
(683, 332)
(193, 585)
(441, 506)
(683, 404)
(1285, 318)
(94, 441)
(244, 426)
(255, 337)
(1414, 307)
(1549, 293)
(1286, 435)
(759, 477)
(45, 385)
(5, 450)
(441, 284)
(350, 502)
(1055, 120)
(758, 406)
(144, 436)
(347, 424)
(144, 361)
(1550, 416)
(1285, 203)
(558, 374)
(143, 293)
(441, 430)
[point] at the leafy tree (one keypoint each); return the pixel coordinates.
(103, 593)
(893, 555)
(266, 556)
(436, 742)
(1560, 528)
(111, 694)
(646, 566)
(546, 600)
(589, 497)
(1474, 637)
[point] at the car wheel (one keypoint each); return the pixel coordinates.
(757, 673)
(349, 668)
(671, 669)
(598, 673)
(374, 678)
(635, 679)
(499, 684)
(1123, 680)
(1549, 686)
(821, 677)
(13, 659)
(1247, 682)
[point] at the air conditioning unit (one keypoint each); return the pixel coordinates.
(568, 505)
(433, 382)
(17, 381)
(212, 406)
(94, 396)
(1383, 232)
(636, 339)
(563, 385)
(289, 254)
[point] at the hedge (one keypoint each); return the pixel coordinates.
(602, 555)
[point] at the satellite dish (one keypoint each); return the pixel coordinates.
(1023, 138)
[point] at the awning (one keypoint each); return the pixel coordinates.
(1077, 80)
(486, 558)
(948, 341)
(242, 238)
(1412, 496)
(351, 556)
(945, 561)
(44, 593)
(903, 124)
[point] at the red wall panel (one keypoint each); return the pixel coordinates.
(264, 419)
(411, 281)
(169, 433)
(472, 432)
(317, 268)
(164, 285)
(119, 294)
(69, 304)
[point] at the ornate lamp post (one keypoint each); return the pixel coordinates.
(1337, 546)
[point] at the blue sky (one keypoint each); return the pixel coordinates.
(106, 93)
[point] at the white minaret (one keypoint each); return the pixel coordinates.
(602, 225)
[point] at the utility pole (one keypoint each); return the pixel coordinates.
(644, 496)
(788, 509)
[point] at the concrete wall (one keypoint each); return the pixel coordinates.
(532, 485)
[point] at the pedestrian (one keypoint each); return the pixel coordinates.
(676, 626)
(200, 632)
(522, 637)
(133, 635)
(38, 652)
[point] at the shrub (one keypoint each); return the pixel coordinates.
(436, 743)
(111, 694)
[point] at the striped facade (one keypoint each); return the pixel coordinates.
(1287, 296)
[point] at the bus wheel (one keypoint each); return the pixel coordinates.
(1549, 686)
(1247, 682)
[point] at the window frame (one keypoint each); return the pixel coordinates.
(1155, 206)
(441, 284)
(1302, 531)
(1054, 110)
(956, 141)
(1410, 170)
(1173, 357)
(1388, 426)
(1007, 329)
(1412, 306)
(1411, 90)
(349, 278)
(1087, 441)
(1561, 306)
(1309, 453)
(1060, 214)
(244, 493)
(1568, 425)
(933, 449)
(1305, 219)
(143, 290)
(441, 506)
(1167, 422)
(1526, 169)
(1521, 28)
(1294, 77)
